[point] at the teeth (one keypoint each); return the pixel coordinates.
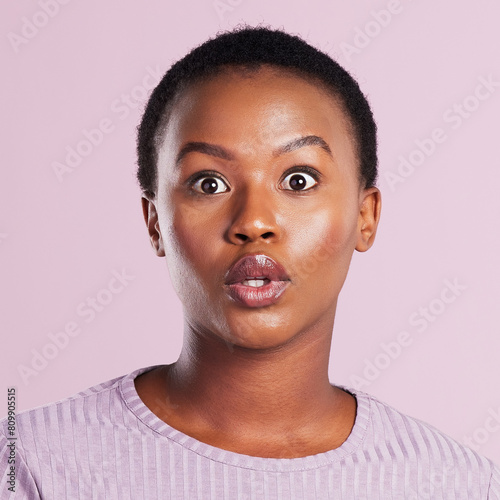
(254, 282)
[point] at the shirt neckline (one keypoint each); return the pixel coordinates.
(148, 418)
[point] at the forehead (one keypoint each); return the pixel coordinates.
(254, 109)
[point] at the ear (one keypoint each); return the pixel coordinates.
(369, 215)
(151, 219)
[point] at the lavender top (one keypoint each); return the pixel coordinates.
(104, 443)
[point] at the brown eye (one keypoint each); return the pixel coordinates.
(299, 181)
(210, 185)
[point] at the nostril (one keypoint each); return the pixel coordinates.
(244, 237)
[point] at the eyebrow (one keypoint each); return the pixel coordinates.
(220, 152)
(205, 148)
(301, 142)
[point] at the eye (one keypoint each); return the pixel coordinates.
(209, 184)
(301, 179)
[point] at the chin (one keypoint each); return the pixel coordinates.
(256, 333)
(256, 342)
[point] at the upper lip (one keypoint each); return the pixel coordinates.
(255, 266)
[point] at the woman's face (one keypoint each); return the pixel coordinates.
(259, 165)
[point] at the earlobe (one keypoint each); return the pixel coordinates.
(369, 216)
(151, 218)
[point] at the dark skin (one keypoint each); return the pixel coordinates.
(254, 380)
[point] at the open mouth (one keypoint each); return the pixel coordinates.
(256, 281)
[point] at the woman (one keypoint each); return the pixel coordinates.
(257, 163)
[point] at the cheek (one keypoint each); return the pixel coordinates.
(188, 238)
(323, 245)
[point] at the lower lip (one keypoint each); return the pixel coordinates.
(250, 296)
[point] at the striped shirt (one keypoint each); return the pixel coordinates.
(104, 443)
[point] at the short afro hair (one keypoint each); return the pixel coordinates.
(252, 47)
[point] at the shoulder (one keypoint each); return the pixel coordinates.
(57, 440)
(414, 437)
(415, 444)
(56, 411)
(74, 415)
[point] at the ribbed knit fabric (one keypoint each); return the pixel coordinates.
(104, 443)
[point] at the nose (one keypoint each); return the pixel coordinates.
(253, 218)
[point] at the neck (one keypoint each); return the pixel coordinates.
(275, 402)
(223, 383)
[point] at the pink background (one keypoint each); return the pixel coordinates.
(61, 240)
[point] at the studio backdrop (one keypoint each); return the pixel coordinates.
(84, 298)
